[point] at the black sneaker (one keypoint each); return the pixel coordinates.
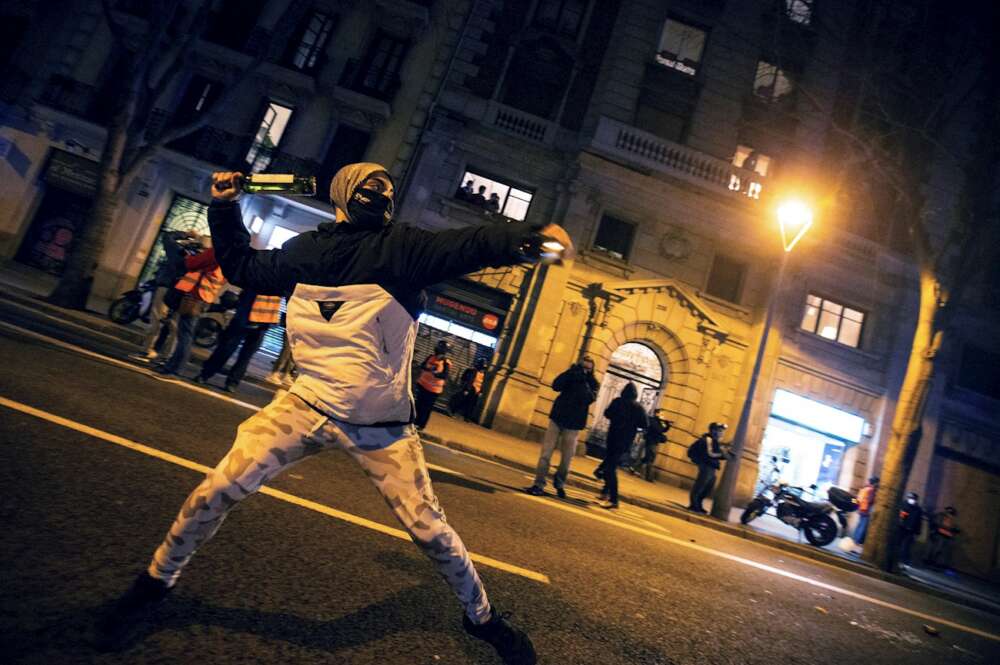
(535, 490)
(200, 378)
(561, 493)
(116, 627)
(512, 644)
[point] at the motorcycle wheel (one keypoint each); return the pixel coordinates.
(753, 510)
(206, 333)
(124, 311)
(820, 531)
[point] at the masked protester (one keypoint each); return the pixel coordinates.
(354, 294)
(431, 382)
(911, 517)
(625, 418)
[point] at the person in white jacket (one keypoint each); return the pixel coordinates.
(354, 291)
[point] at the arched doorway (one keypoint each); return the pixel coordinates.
(633, 362)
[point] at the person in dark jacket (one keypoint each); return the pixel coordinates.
(245, 331)
(354, 292)
(707, 453)
(463, 402)
(911, 522)
(176, 246)
(625, 418)
(431, 382)
(656, 433)
(577, 389)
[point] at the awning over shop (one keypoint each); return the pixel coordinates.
(817, 416)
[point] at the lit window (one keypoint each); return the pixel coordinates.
(751, 160)
(494, 196)
(833, 321)
(614, 236)
(312, 41)
(457, 329)
(272, 128)
(772, 83)
(799, 11)
(680, 47)
(279, 236)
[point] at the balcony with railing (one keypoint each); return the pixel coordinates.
(518, 123)
(380, 86)
(631, 145)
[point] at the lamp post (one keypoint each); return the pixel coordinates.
(794, 219)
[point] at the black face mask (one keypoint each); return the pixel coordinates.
(369, 208)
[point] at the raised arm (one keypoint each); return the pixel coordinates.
(266, 272)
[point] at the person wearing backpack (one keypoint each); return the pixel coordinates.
(706, 452)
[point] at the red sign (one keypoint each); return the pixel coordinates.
(490, 321)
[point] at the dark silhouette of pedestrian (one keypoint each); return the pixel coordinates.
(493, 204)
(463, 402)
(656, 433)
(944, 529)
(706, 452)
(254, 315)
(625, 418)
(465, 192)
(577, 389)
(911, 522)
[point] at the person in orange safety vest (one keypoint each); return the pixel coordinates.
(430, 383)
(201, 286)
(866, 501)
(254, 315)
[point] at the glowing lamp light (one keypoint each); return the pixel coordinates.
(795, 218)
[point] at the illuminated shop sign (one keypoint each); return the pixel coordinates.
(817, 416)
(464, 313)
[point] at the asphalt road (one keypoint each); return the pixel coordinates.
(284, 582)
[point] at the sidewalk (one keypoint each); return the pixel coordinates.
(33, 312)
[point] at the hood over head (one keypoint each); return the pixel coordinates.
(348, 179)
(630, 392)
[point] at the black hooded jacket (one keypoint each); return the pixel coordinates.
(625, 417)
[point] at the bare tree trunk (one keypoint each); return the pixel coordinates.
(74, 285)
(880, 544)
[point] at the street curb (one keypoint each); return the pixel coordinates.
(578, 481)
(35, 307)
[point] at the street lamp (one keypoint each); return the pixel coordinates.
(794, 219)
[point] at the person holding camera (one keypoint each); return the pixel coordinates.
(707, 453)
(577, 389)
(656, 433)
(355, 292)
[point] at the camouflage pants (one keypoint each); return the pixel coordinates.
(287, 431)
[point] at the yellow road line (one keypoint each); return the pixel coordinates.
(760, 566)
(277, 494)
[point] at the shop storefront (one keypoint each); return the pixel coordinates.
(470, 317)
(70, 185)
(184, 214)
(806, 441)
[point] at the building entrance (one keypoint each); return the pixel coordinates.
(809, 440)
(633, 362)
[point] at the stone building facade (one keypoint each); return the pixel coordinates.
(659, 134)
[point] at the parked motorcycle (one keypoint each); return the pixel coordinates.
(214, 320)
(813, 518)
(133, 304)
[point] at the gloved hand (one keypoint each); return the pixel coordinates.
(549, 244)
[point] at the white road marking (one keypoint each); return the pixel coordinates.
(760, 566)
(124, 365)
(277, 494)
